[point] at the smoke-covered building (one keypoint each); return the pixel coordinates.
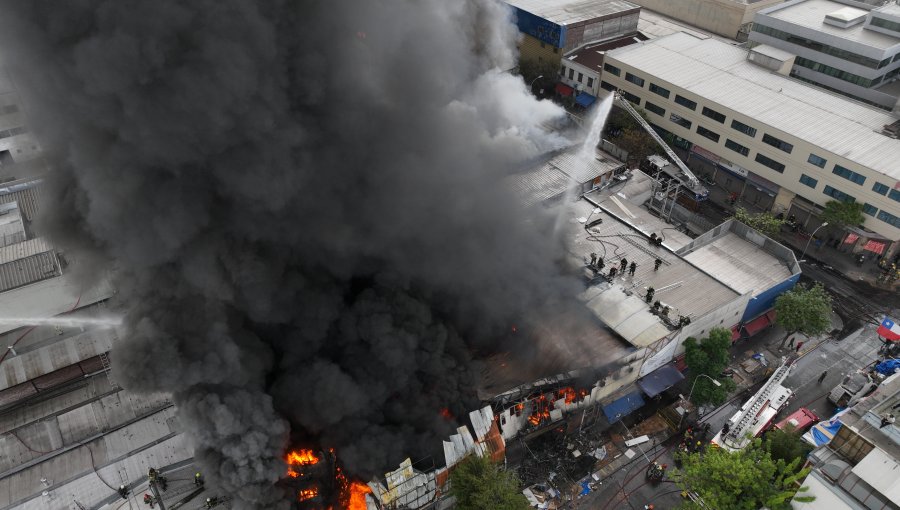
(16, 142)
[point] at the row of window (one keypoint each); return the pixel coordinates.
(837, 73)
(883, 23)
(12, 132)
(590, 80)
(869, 209)
(822, 48)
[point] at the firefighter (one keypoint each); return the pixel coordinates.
(649, 296)
(148, 500)
(123, 491)
(593, 259)
(211, 502)
(612, 272)
(632, 268)
(656, 264)
(624, 263)
(198, 480)
(151, 474)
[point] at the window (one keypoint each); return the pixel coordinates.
(736, 147)
(816, 160)
(656, 89)
(655, 109)
(571, 74)
(607, 86)
(870, 210)
(680, 121)
(743, 128)
(631, 97)
(634, 79)
(562, 71)
(590, 83)
(819, 47)
(809, 181)
(612, 69)
(888, 218)
(778, 144)
(879, 188)
(580, 77)
(702, 131)
(883, 23)
(769, 162)
(687, 103)
(714, 115)
(848, 174)
(894, 194)
(838, 194)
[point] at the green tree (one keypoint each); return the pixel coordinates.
(804, 310)
(637, 144)
(766, 223)
(530, 69)
(708, 357)
(842, 214)
(479, 484)
(747, 479)
(786, 444)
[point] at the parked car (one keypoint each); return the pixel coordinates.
(801, 419)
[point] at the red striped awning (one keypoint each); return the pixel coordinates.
(756, 325)
(875, 247)
(851, 238)
(564, 90)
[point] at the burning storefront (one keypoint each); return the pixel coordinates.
(320, 484)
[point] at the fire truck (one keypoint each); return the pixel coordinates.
(757, 414)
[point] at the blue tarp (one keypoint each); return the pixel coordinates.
(660, 380)
(824, 431)
(623, 407)
(888, 366)
(585, 99)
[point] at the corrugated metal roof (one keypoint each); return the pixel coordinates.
(539, 184)
(28, 198)
(740, 264)
(882, 472)
(581, 171)
(28, 270)
(23, 249)
(720, 73)
(811, 14)
(569, 12)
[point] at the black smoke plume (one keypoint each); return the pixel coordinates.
(302, 206)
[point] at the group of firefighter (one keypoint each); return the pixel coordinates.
(154, 477)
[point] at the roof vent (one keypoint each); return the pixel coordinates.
(846, 17)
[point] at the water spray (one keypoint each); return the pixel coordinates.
(72, 322)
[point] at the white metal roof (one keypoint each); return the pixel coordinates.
(773, 52)
(569, 12)
(740, 264)
(720, 73)
(880, 471)
(811, 14)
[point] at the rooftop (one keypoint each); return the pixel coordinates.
(570, 12)
(720, 73)
(591, 55)
(811, 14)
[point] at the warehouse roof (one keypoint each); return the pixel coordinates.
(570, 12)
(811, 14)
(720, 73)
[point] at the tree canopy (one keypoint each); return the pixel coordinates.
(747, 479)
(842, 214)
(804, 310)
(479, 484)
(708, 357)
(766, 223)
(786, 444)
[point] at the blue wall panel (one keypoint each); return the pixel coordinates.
(540, 29)
(763, 302)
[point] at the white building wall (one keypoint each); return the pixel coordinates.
(587, 75)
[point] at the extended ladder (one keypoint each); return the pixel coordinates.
(736, 436)
(104, 361)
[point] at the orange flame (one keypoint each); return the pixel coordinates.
(300, 458)
(305, 494)
(353, 493)
(446, 414)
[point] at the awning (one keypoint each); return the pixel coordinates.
(875, 247)
(623, 407)
(564, 90)
(758, 324)
(585, 99)
(660, 380)
(851, 238)
(866, 233)
(736, 333)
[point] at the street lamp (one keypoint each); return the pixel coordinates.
(717, 383)
(531, 87)
(810, 239)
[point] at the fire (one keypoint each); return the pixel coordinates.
(353, 493)
(305, 494)
(446, 414)
(300, 458)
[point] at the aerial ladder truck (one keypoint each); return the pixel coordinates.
(684, 176)
(757, 414)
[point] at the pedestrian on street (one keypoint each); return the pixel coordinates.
(822, 377)
(799, 345)
(791, 343)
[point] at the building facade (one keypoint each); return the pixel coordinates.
(552, 28)
(784, 145)
(850, 49)
(728, 18)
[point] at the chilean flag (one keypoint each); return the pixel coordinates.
(889, 330)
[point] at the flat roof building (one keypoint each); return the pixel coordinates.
(784, 145)
(851, 48)
(728, 18)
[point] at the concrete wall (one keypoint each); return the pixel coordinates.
(723, 17)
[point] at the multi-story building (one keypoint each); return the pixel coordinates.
(778, 142)
(16, 143)
(845, 46)
(728, 18)
(580, 69)
(551, 28)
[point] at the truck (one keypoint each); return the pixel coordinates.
(852, 389)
